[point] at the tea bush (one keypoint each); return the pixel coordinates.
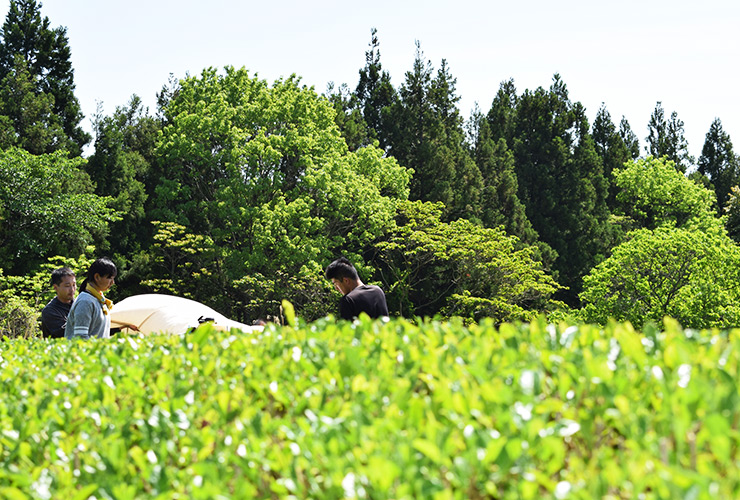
(375, 410)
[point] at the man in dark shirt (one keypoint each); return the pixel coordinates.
(54, 315)
(357, 296)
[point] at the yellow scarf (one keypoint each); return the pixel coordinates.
(106, 304)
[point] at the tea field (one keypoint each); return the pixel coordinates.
(375, 410)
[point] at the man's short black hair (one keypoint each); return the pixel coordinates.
(57, 275)
(341, 268)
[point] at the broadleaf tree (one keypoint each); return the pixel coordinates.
(263, 171)
(47, 208)
(459, 268)
(652, 193)
(679, 261)
(687, 274)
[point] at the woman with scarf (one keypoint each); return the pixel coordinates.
(90, 313)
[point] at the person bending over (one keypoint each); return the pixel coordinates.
(357, 296)
(54, 315)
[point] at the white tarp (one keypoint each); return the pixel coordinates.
(158, 313)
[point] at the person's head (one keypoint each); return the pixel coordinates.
(343, 275)
(64, 282)
(101, 275)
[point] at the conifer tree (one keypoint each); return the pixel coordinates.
(629, 138)
(499, 200)
(502, 115)
(719, 163)
(610, 147)
(120, 168)
(349, 117)
(666, 138)
(561, 181)
(27, 119)
(30, 44)
(375, 94)
(411, 143)
(431, 139)
(450, 145)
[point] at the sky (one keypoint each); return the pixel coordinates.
(628, 55)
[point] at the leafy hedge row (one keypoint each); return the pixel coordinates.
(374, 410)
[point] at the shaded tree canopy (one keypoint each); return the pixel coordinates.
(459, 267)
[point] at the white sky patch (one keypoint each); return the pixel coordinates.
(599, 57)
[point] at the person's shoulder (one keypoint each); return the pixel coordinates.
(363, 292)
(52, 306)
(84, 299)
(367, 287)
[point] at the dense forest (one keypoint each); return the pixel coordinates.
(237, 192)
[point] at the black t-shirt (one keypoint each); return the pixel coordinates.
(369, 299)
(54, 318)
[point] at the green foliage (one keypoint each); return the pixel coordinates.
(502, 115)
(182, 260)
(375, 410)
(690, 275)
(499, 200)
(376, 96)
(680, 262)
(459, 268)
(17, 318)
(46, 208)
(652, 193)
(27, 118)
(732, 211)
(348, 117)
(629, 138)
